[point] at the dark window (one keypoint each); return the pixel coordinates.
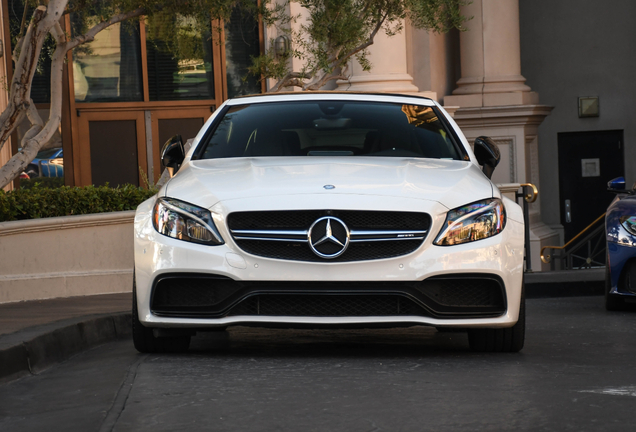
(109, 68)
(242, 42)
(331, 128)
(179, 58)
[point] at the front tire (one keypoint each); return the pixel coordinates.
(509, 339)
(613, 302)
(144, 339)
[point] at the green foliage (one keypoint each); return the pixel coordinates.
(40, 202)
(43, 182)
(332, 31)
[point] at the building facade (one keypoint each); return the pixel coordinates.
(136, 85)
(548, 81)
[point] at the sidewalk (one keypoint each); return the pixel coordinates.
(36, 334)
(39, 333)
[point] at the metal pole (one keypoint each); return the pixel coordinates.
(527, 232)
(522, 195)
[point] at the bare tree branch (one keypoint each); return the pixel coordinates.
(369, 41)
(33, 115)
(363, 11)
(20, 87)
(90, 35)
(40, 133)
(23, 23)
(337, 61)
(20, 103)
(58, 33)
(292, 79)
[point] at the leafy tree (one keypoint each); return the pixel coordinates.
(335, 31)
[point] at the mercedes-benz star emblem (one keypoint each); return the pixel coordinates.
(328, 237)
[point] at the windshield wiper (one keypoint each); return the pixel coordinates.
(329, 153)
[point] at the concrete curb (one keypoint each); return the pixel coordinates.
(565, 283)
(33, 350)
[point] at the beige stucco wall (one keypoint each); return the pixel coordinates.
(66, 256)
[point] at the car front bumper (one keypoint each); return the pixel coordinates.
(619, 255)
(158, 256)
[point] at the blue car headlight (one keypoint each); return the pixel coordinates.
(629, 223)
(472, 222)
(183, 221)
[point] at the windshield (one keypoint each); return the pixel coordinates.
(330, 128)
(47, 154)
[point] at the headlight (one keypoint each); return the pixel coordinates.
(184, 221)
(472, 222)
(629, 223)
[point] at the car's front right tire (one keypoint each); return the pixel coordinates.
(144, 339)
(510, 339)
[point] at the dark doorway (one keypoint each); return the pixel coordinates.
(114, 152)
(587, 161)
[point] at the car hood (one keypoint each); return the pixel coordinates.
(451, 183)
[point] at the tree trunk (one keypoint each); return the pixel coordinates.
(20, 103)
(44, 20)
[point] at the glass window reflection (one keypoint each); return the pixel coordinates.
(109, 68)
(179, 53)
(242, 42)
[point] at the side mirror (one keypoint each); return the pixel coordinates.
(616, 185)
(487, 154)
(172, 154)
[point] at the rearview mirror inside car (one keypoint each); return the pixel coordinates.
(172, 154)
(487, 154)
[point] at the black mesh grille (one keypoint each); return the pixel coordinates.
(355, 220)
(187, 291)
(327, 305)
(216, 296)
(302, 219)
(463, 292)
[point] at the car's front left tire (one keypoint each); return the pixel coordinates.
(613, 302)
(144, 339)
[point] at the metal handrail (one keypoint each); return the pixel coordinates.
(531, 197)
(547, 258)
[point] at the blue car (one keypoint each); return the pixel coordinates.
(620, 229)
(47, 163)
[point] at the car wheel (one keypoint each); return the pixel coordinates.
(509, 339)
(144, 339)
(613, 302)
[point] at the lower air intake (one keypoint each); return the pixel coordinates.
(208, 296)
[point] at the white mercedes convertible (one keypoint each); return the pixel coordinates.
(329, 210)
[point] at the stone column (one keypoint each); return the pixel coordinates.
(388, 73)
(493, 100)
(490, 58)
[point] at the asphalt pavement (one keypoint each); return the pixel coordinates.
(37, 334)
(574, 374)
